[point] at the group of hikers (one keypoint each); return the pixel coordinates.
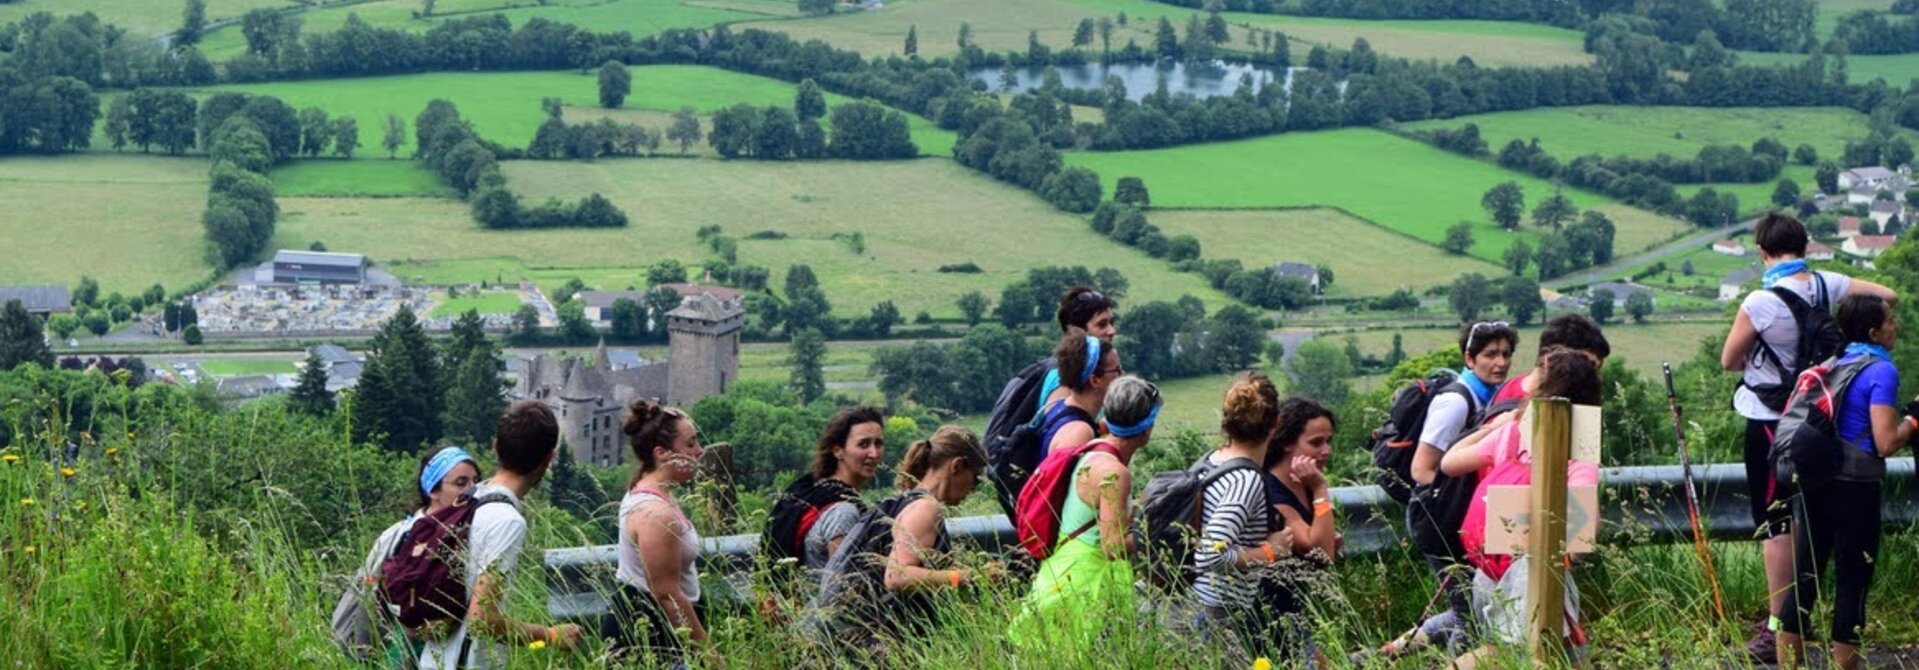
(1215, 552)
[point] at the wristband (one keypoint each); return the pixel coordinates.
(552, 635)
(1268, 548)
(956, 578)
(1322, 507)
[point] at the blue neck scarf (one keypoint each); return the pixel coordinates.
(1092, 361)
(1783, 270)
(1480, 389)
(1868, 349)
(1144, 424)
(442, 463)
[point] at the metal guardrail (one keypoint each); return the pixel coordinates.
(1641, 505)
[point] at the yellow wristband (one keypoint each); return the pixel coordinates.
(956, 578)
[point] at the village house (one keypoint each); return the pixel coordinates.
(41, 300)
(1873, 177)
(1733, 285)
(1869, 246)
(1883, 211)
(1620, 291)
(1848, 226)
(1301, 270)
(1819, 252)
(1729, 248)
(599, 304)
(342, 367)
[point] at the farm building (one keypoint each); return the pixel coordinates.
(1869, 177)
(1869, 246)
(1848, 226)
(1301, 270)
(312, 267)
(1729, 248)
(599, 304)
(1818, 252)
(1620, 291)
(41, 300)
(1883, 211)
(1733, 285)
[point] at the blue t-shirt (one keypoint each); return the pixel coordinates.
(1878, 384)
(1046, 388)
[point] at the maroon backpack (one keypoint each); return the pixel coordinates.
(425, 577)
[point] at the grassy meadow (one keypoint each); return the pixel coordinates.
(1353, 248)
(505, 106)
(914, 215)
(1897, 69)
(325, 177)
(126, 220)
(640, 17)
(235, 367)
(141, 18)
(1641, 346)
(1406, 186)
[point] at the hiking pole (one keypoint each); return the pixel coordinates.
(1699, 542)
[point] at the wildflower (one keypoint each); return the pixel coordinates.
(30, 550)
(112, 450)
(26, 502)
(10, 458)
(68, 472)
(1219, 546)
(536, 645)
(1262, 663)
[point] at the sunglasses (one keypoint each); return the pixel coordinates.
(1090, 296)
(1473, 334)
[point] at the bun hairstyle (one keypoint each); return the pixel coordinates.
(1294, 415)
(1570, 374)
(1250, 408)
(948, 443)
(838, 430)
(650, 424)
(1073, 360)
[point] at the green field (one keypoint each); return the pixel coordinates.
(487, 302)
(1260, 238)
(1641, 346)
(1708, 267)
(141, 18)
(235, 367)
(1398, 183)
(505, 106)
(340, 178)
(1000, 25)
(641, 17)
(915, 216)
(1897, 69)
(126, 220)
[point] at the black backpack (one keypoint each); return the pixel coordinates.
(853, 583)
(1806, 452)
(1169, 520)
(795, 511)
(1436, 511)
(1013, 432)
(1819, 339)
(1395, 441)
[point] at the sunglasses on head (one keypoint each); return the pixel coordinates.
(1473, 334)
(1090, 296)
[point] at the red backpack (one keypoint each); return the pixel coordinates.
(1036, 516)
(425, 577)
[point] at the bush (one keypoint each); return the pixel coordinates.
(967, 268)
(192, 335)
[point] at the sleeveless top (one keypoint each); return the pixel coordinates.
(1076, 512)
(632, 571)
(1059, 416)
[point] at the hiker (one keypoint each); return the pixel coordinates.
(1300, 500)
(524, 441)
(658, 549)
(446, 474)
(879, 587)
(1439, 502)
(1237, 535)
(1839, 521)
(1081, 308)
(1087, 576)
(817, 511)
(1088, 366)
(1572, 331)
(1765, 345)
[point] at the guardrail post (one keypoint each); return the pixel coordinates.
(1546, 539)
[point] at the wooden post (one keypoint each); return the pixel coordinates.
(1546, 539)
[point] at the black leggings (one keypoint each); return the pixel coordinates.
(1840, 521)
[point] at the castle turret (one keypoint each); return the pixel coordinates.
(703, 337)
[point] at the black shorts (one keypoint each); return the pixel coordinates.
(1771, 517)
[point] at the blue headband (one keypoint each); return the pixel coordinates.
(442, 463)
(1144, 425)
(1092, 361)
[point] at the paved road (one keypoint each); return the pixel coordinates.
(1645, 258)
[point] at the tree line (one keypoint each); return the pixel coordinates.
(856, 130)
(469, 163)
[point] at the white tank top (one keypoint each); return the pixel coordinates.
(632, 571)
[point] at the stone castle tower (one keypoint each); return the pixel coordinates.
(703, 350)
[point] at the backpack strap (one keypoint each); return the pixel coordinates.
(1099, 447)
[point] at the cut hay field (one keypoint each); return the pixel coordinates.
(914, 215)
(127, 221)
(505, 106)
(373, 178)
(1896, 69)
(141, 18)
(640, 17)
(1000, 25)
(1645, 132)
(1352, 247)
(1398, 183)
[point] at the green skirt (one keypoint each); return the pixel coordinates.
(1077, 595)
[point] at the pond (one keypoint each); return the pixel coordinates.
(1202, 80)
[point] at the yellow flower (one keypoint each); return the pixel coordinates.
(112, 450)
(1219, 546)
(1262, 664)
(536, 645)
(26, 502)
(10, 458)
(68, 472)
(29, 549)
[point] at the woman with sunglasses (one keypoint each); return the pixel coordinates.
(658, 548)
(1082, 308)
(446, 474)
(1439, 502)
(1087, 366)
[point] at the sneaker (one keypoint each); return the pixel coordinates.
(1763, 648)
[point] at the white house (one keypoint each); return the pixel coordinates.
(1883, 211)
(1733, 285)
(1869, 246)
(1301, 270)
(1729, 248)
(1861, 195)
(1620, 291)
(1848, 226)
(1818, 252)
(1872, 177)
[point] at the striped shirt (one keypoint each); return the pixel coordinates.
(1235, 515)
